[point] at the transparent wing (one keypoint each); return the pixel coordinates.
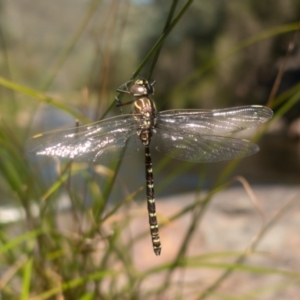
(97, 142)
(202, 148)
(215, 122)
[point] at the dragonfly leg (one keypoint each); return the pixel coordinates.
(119, 104)
(124, 87)
(125, 90)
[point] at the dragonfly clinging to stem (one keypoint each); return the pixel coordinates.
(197, 135)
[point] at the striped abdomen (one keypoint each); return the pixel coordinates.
(151, 203)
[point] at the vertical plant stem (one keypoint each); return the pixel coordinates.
(64, 55)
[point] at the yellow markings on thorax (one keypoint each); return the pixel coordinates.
(139, 107)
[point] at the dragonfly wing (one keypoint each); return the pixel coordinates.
(215, 122)
(202, 148)
(97, 142)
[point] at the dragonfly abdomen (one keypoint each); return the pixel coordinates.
(154, 231)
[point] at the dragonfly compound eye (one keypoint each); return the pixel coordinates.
(138, 90)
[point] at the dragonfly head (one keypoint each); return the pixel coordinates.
(142, 87)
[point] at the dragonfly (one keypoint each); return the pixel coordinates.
(194, 135)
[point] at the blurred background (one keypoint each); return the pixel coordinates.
(220, 54)
(77, 52)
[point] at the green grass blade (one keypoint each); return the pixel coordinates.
(20, 239)
(42, 98)
(244, 44)
(74, 283)
(26, 279)
(161, 39)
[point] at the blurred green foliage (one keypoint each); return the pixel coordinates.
(72, 54)
(117, 35)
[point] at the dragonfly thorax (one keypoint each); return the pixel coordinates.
(145, 114)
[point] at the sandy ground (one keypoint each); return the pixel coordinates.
(230, 223)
